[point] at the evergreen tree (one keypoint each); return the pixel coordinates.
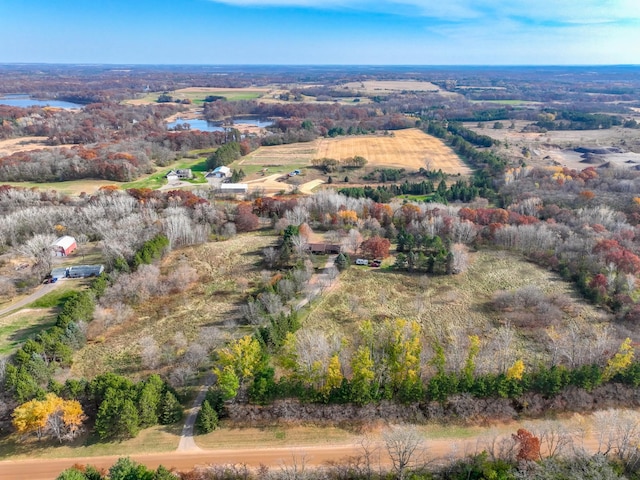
(171, 409)
(207, 420)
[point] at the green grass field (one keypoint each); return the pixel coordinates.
(197, 96)
(16, 328)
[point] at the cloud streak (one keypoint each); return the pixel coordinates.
(563, 11)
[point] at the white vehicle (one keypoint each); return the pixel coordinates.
(362, 261)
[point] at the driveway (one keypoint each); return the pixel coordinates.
(40, 291)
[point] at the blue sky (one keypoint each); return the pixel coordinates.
(298, 32)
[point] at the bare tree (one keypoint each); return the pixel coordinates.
(286, 289)
(195, 356)
(460, 256)
(332, 273)
(617, 433)
(352, 241)
(39, 249)
(181, 375)
(300, 246)
(271, 302)
(403, 444)
(252, 312)
(370, 454)
(270, 256)
(149, 352)
(3, 368)
(499, 446)
(555, 438)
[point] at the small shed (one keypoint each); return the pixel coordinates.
(63, 246)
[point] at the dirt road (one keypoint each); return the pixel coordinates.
(41, 291)
(49, 469)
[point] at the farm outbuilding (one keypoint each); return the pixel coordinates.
(220, 172)
(63, 246)
(77, 271)
(234, 188)
(323, 248)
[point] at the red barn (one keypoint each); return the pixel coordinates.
(64, 246)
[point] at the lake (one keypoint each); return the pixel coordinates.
(207, 126)
(25, 101)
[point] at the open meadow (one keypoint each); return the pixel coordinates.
(197, 94)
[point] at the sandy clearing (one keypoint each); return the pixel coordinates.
(23, 144)
(372, 86)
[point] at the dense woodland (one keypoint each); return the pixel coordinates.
(581, 224)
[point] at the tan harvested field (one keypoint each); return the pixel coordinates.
(556, 148)
(225, 270)
(410, 148)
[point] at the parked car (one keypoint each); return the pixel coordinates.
(362, 261)
(376, 263)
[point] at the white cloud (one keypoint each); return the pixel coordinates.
(564, 11)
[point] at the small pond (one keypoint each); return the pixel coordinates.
(207, 126)
(19, 100)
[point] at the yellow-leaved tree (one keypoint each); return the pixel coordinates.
(237, 363)
(53, 416)
(619, 361)
(516, 370)
(334, 376)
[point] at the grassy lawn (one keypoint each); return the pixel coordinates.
(54, 299)
(151, 440)
(307, 435)
(15, 329)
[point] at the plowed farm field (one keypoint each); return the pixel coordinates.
(409, 149)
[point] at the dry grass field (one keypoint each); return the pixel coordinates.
(226, 269)
(440, 302)
(382, 87)
(410, 149)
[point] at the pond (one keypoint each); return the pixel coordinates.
(19, 100)
(207, 126)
